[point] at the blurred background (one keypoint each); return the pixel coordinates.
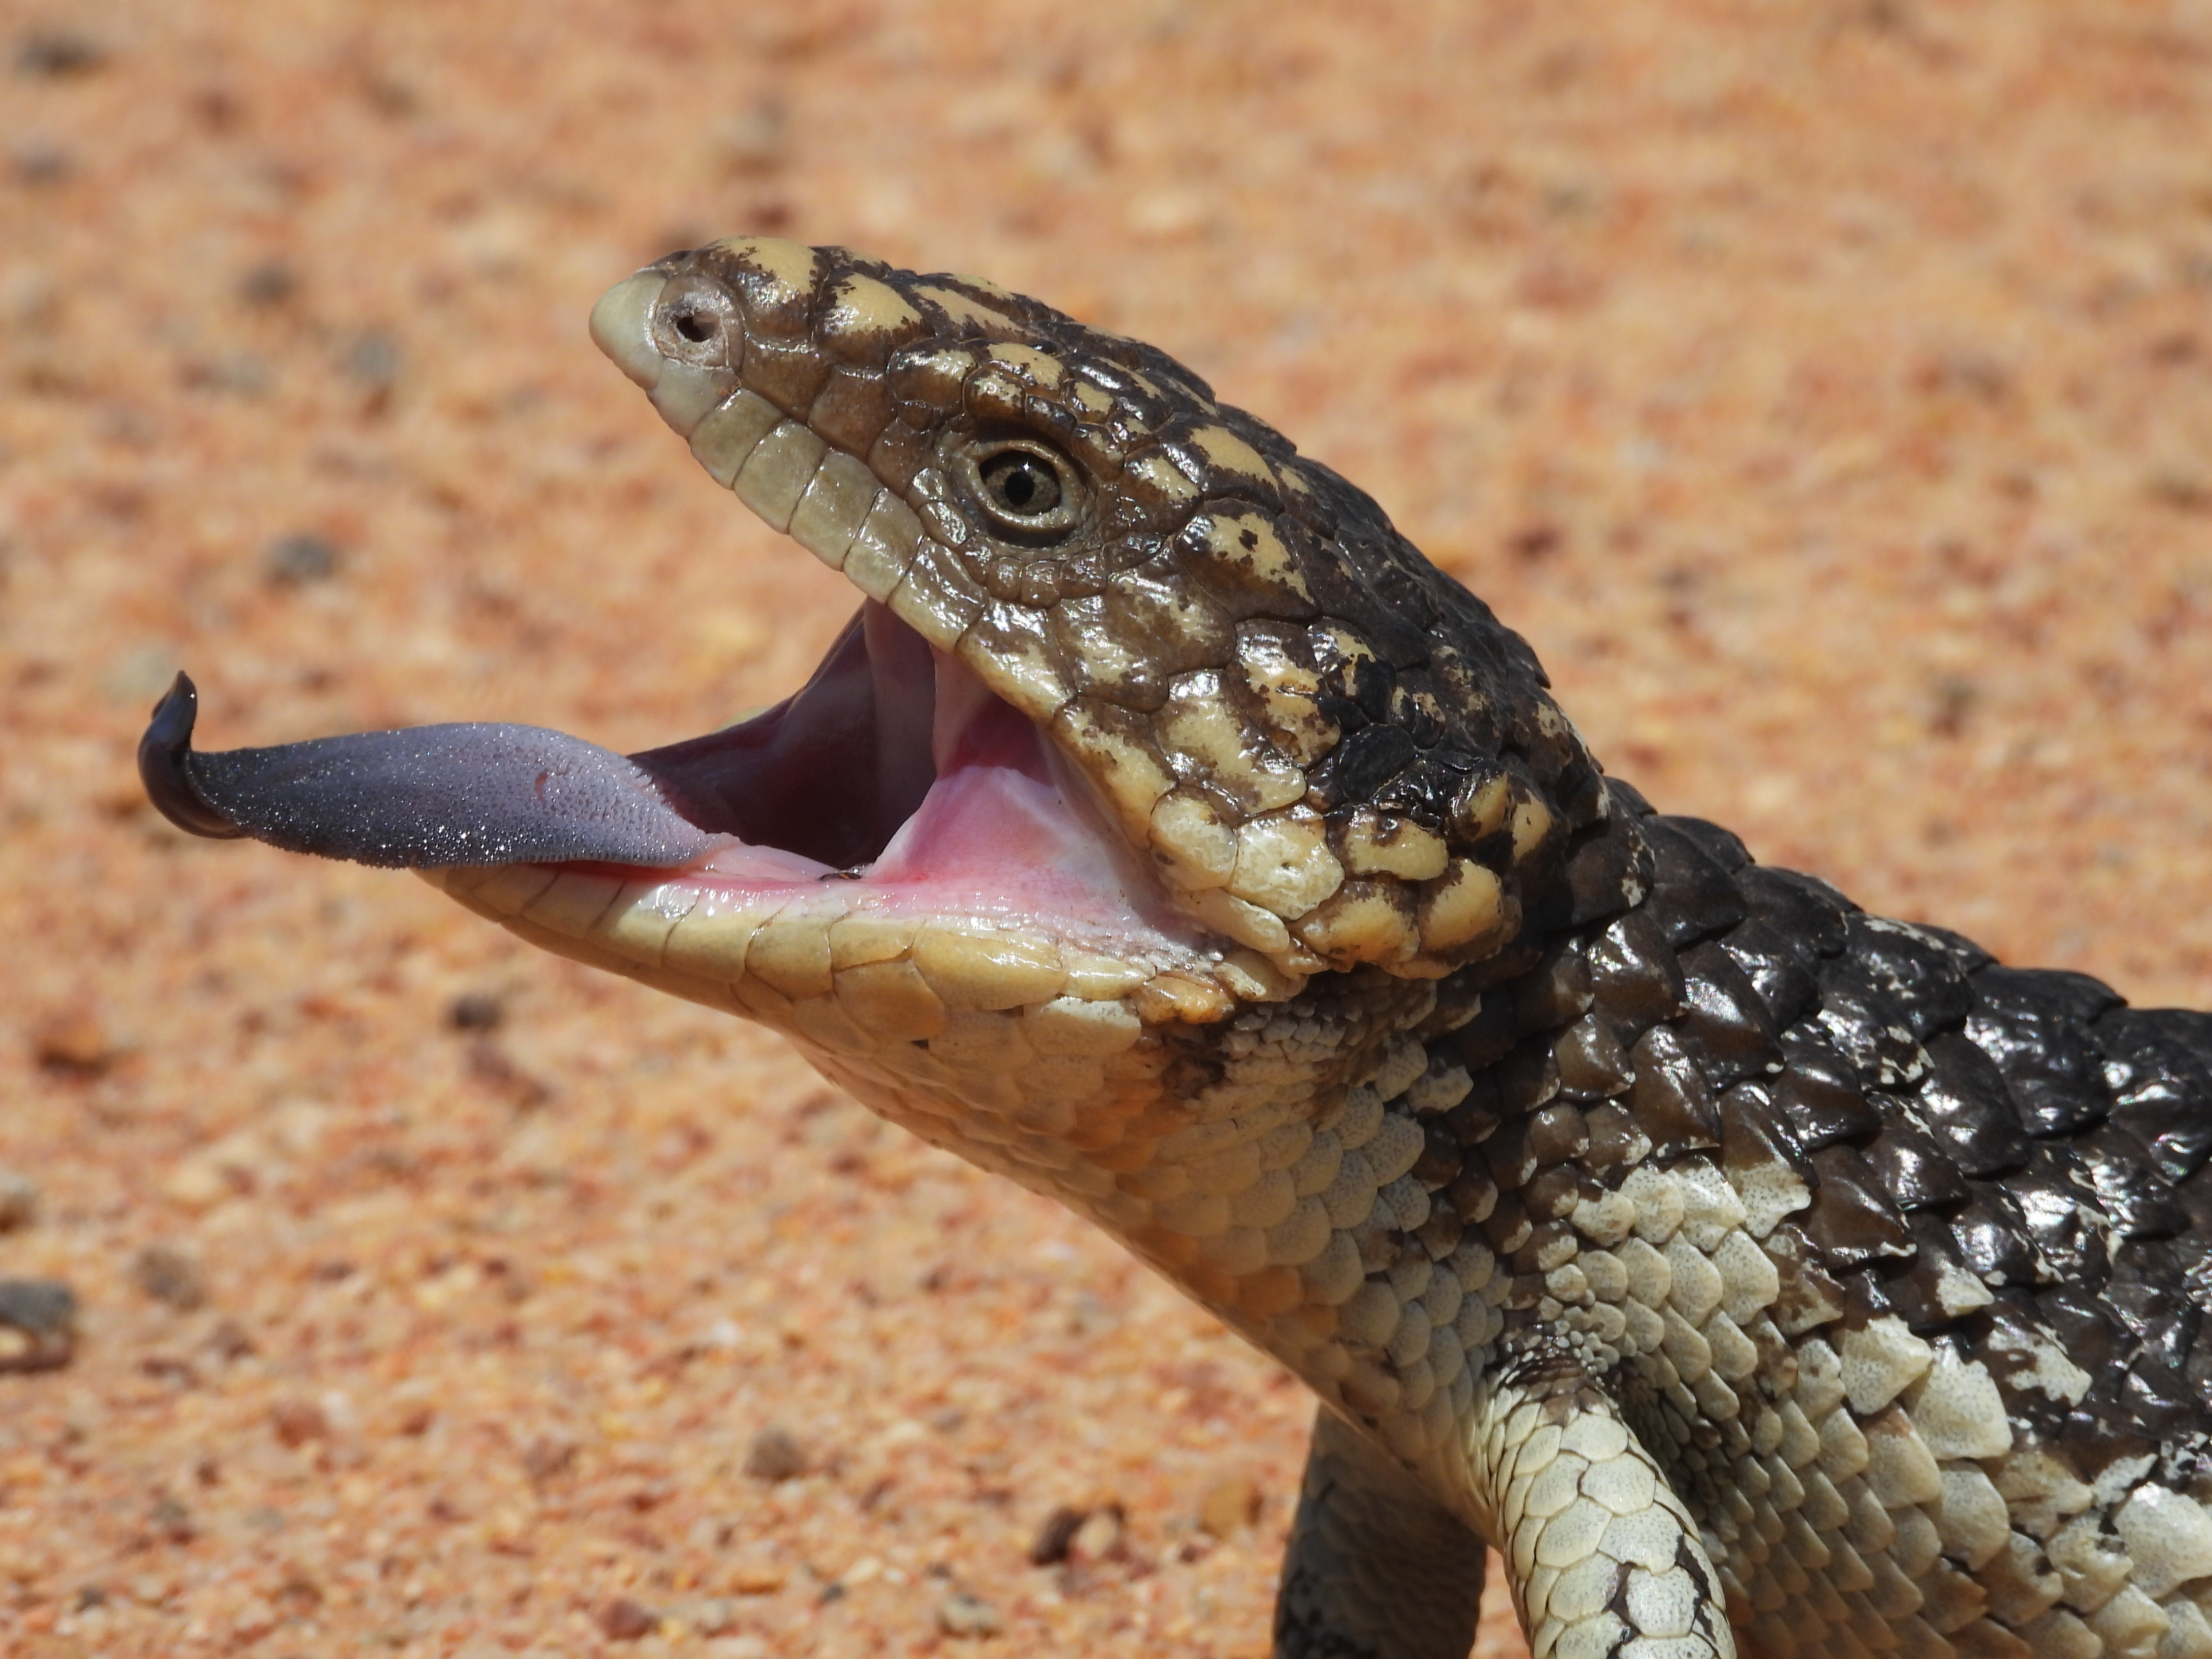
(1824, 387)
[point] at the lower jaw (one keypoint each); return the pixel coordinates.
(1034, 1054)
(858, 967)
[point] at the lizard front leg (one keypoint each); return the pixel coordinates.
(1604, 1560)
(1376, 1568)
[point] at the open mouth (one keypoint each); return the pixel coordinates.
(893, 772)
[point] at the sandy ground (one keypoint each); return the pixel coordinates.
(1825, 388)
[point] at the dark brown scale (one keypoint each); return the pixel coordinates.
(2130, 1188)
(1910, 1164)
(1811, 1295)
(1803, 909)
(1511, 1160)
(1634, 974)
(1549, 1197)
(1441, 1158)
(2036, 1027)
(1423, 791)
(2198, 1368)
(2160, 1315)
(2155, 1063)
(1526, 1077)
(2059, 1201)
(1754, 1132)
(1853, 1220)
(1358, 767)
(1925, 984)
(1726, 1026)
(1993, 1236)
(1558, 1134)
(1477, 1117)
(1818, 1094)
(1671, 1101)
(1593, 1066)
(1781, 972)
(1473, 1196)
(1867, 1026)
(1724, 846)
(1963, 1099)
(1609, 869)
(1507, 1227)
(1615, 1137)
(1489, 1037)
(1692, 897)
(1558, 990)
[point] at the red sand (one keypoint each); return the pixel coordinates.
(1827, 390)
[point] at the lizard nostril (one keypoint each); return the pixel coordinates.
(692, 326)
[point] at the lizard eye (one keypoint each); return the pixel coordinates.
(1017, 483)
(1030, 492)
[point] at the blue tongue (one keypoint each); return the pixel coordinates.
(428, 797)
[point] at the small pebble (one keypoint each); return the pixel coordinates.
(372, 362)
(58, 54)
(38, 1316)
(297, 560)
(1229, 1507)
(199, 1184)
(272, 283)
(167, 1275)
(42, 165)
(76, 1042)
(171, 1521)
(962, 1614)
(1049, 1548)
(298, 1421)
(490, 1066)
(546, 1456)
(169, 1368)
(756, 1578)
(625, 1620)
(474, 1010)
(774, 1455)
(19, 1199)
(37, 1307)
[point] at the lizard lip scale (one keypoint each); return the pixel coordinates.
(1167, 835)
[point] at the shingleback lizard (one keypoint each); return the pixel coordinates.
(1167, 834)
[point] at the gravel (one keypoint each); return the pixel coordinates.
(1827, 404)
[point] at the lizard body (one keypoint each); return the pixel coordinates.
(1167, 834)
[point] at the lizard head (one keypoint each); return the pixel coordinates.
(1145, 724)
(1320, 749)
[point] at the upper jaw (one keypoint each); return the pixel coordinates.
(622, 325)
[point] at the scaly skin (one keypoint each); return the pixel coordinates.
(1751, 1273)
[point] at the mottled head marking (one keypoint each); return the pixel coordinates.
(1331, 754)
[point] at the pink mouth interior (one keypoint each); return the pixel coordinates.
(896, 772)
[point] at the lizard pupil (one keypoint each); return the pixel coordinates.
(1022, 485)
